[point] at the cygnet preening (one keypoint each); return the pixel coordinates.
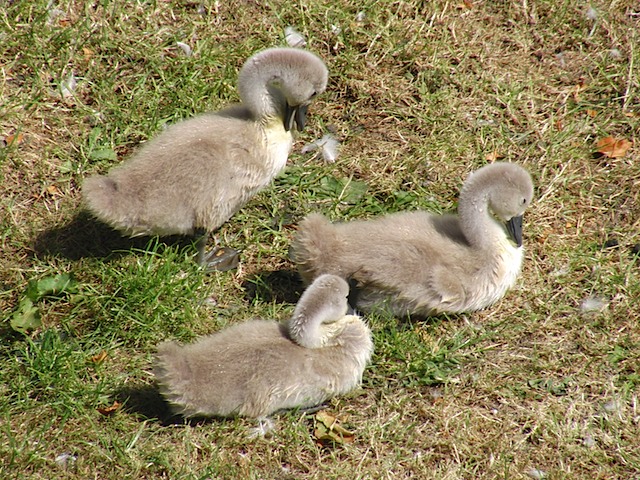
(258, 367)
(196, 174)
(421, 264)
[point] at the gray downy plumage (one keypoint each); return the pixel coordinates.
(196, 174)
(421, 264)
(258, 367)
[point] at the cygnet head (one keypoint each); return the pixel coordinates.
(507, 190)
(513, 192)
(321, 313)
(293, 78)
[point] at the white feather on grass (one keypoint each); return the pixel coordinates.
(328, 146)
(185, 48)
(594, 303)
(537, 474)
(294, 38)
(68, 86)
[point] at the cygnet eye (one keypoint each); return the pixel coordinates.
(523, 202)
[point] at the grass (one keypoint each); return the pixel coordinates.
(420, 94)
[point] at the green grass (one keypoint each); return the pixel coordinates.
(420, 94)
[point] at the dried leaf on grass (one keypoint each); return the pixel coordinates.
(14, 139)
(613, 147)
(87, 53)
(99, 357)
(107, 411)
(493, 156)
(329, 432)
(54, 191)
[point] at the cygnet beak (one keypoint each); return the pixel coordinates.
(295, 115)
(514, 227)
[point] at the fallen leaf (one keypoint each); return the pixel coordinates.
(591, 113)
(26, 317)
(107, 411)
(581, 87)
(329, 431)
(345, 189)
(88, 53)
(493, 156)
(52, 285)
(103, 153)
(99, 357)
(13, 139)
(53, 191)
(613, 147)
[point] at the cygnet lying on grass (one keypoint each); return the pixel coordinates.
(421, 264)
(258, 367)
(196, 174)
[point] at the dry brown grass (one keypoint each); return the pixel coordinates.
(421, 94)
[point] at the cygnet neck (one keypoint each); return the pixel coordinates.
(476, 222)
(260, 87)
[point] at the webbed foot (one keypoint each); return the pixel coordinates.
(220, 259)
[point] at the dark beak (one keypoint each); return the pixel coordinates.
(295, 115)
(514, 227)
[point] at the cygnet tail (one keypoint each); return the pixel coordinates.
(314, 246)
(172, 372)
(101, 197)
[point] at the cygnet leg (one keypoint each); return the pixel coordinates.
(220, 258)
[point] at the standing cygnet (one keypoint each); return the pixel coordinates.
(258, 367)
(421, 264)
(196, 174)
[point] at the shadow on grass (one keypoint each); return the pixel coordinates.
(147, 402)
(282, 286)
(86, 237)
